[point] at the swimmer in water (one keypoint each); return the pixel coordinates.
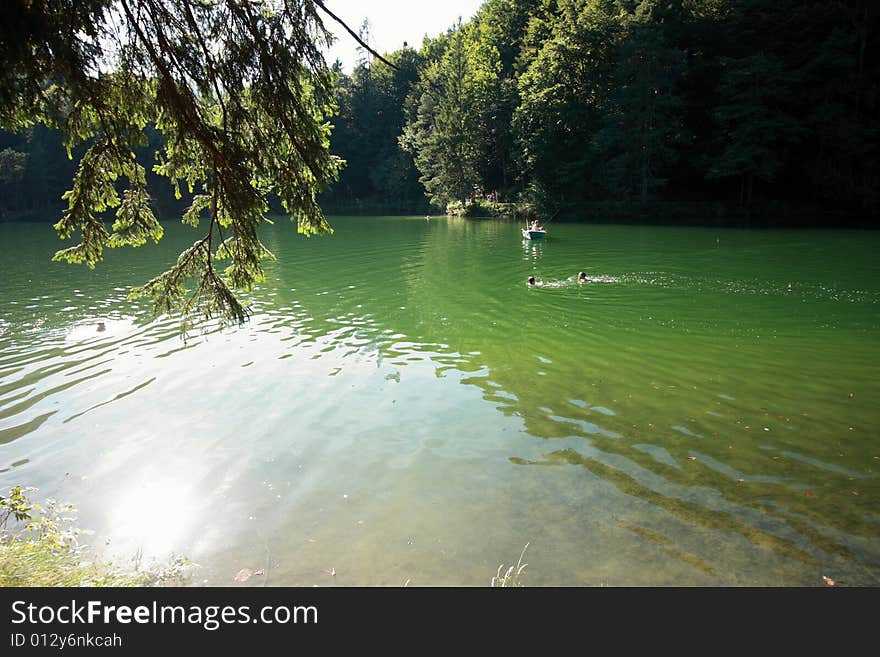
(582, 277)
(101, 327)
(532, 281)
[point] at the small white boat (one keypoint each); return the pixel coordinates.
(533, 234)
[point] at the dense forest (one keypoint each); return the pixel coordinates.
(720, 111)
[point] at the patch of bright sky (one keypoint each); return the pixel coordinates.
(391, 23)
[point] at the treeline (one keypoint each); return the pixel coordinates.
(35, 171)
(738, 109)
(726, 111)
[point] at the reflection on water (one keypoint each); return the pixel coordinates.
(704, 408)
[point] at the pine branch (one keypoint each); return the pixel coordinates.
(354, 35)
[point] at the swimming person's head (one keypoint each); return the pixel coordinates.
(531, 280)
(582, 277)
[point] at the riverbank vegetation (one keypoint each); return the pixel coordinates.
(712, 111)
(684, 111)
(40, 546)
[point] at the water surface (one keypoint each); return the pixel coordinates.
(402, 406)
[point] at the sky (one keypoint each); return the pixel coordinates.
(392, 22)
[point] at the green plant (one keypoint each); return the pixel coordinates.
(52, 522)
(16, 506)
(41, 548)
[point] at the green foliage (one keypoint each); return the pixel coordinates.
(443, 134)
(643, 117)
(754, 128)
(379, 176)
(17, 506)
(564, 91)
(240, 95)
(51, 522)
(566, 103)
(39, 546)
(484, 209)
(12, 165)
(459, 115)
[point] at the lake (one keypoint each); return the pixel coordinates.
(402, 407)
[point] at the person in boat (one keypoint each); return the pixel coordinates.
(532, 281)
(535, 225)
(582, 277)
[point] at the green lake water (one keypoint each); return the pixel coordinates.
(403, 407)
